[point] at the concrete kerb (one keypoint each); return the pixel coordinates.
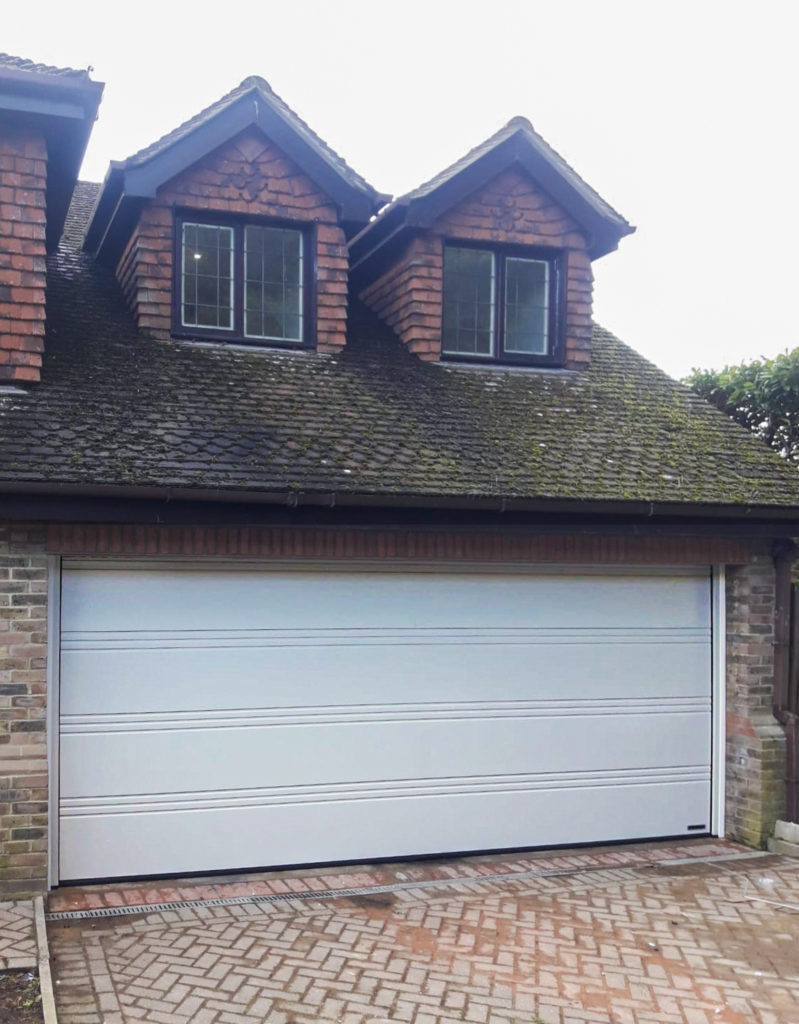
(43, 954)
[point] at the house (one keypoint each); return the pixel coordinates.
(332, 528)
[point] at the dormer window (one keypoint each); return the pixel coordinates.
(273, 283)
(245, 281)
(501, 304)
(206, 299)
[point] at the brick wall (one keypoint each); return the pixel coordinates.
(247, 176)
(23, 176)
(509, 209)
(755, 740)
(23, 760)
(408, 296)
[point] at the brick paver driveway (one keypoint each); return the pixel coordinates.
(17, 935)
(563, 941)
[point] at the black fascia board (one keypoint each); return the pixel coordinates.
(105, 206)
(41, 106)
(120, 225)
(505, 508)
(73, 508)
(141, 181)
(373, 235)
(375, 250)
(603, 232)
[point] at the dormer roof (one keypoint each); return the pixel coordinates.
(515, 144)
(253, 103)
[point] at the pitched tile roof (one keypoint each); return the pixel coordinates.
(522, 126)
(23, 64)
(256, 85)
(116, 408)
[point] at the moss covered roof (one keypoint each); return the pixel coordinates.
(115, 408)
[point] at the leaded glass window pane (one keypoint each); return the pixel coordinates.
(273, 289)
(469, 287)
(207, 277)
(526, 306)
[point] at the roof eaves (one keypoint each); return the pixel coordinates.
(22, 65)
(742, 512)
(62, 85)
(62, 104)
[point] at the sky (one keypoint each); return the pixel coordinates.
(682, 115)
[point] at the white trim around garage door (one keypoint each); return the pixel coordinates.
(53, 717)
(719, 700)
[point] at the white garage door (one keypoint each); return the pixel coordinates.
(220, 718)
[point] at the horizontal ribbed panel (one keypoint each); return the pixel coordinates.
(407, 788)
(249, 718)
(82, 640)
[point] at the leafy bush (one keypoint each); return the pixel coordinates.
(762, 395)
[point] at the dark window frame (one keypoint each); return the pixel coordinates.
(238, 222)
(556, 355)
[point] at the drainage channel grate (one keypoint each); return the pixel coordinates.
(336, 894)
(319, 894)
(222, 901)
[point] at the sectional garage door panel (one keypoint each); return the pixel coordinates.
(386, 748)
(221, 718)
(345, 828)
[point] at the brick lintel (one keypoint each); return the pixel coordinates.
(433, 545)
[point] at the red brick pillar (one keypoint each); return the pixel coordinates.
(755, 740)
(23, 179)
(23, 698)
